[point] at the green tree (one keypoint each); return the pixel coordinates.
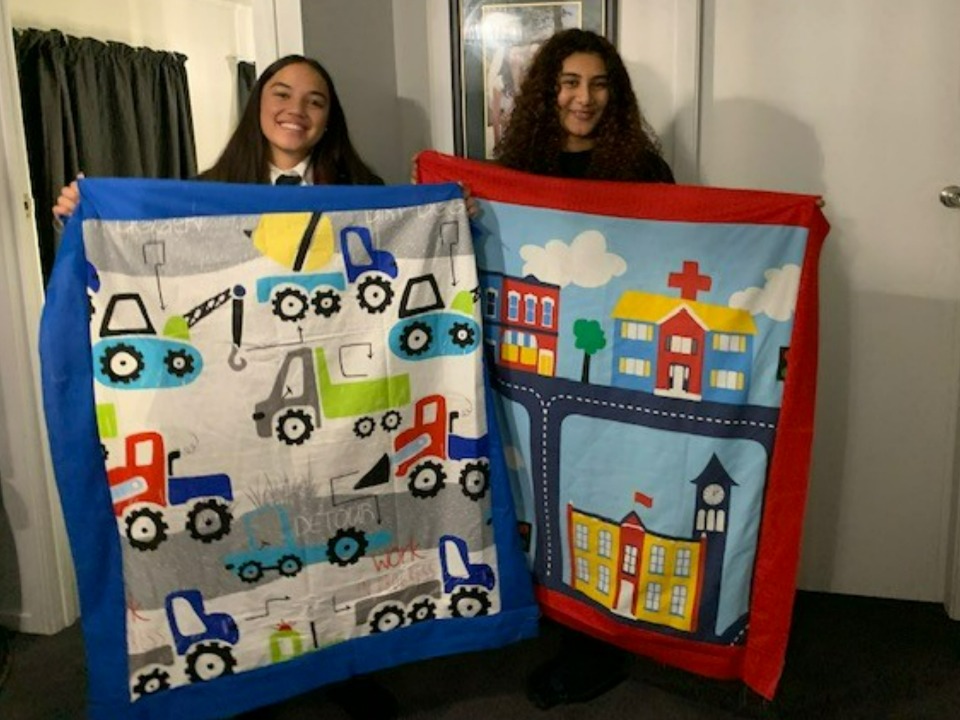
(590, 339)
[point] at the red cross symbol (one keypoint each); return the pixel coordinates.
(690, 281)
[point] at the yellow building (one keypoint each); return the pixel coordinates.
(636, 573)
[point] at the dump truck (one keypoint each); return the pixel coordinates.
(293, 417)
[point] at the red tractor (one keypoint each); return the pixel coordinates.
(430, 442)
(144, 486)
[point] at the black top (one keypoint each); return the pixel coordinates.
(575, 164)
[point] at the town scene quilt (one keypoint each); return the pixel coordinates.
(277, 462)
(653, 352)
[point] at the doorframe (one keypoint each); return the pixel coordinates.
(48, 594)
(277, 30)
(951, 598)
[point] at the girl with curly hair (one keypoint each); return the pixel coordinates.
(577, 116)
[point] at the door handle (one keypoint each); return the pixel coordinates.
(950, 196)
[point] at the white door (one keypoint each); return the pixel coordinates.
(860, 100)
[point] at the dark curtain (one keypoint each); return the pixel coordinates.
(246, 77)
(104, 109)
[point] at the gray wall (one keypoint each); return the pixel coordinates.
(354, 40)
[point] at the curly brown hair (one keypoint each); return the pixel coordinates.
(626, 146)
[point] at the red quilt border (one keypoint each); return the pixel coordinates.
(760, 662)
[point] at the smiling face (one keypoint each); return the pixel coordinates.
(581, 99)
(294, 109)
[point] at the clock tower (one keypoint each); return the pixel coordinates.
(710, 520)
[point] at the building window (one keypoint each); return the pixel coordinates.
(582, 537)
(636, 331)
(726, 379)
(657, 555)
(729, 343)
(490, 308)
(603, 579)
(678, 600)
(547, 313)
(530, 313)
(630, 560)
(635, 366)
(681, 345)
(652, 600)
(683, 563)
(583, 570)
(513, 305)
(605, 543)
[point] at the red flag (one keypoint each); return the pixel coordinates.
(643, 499)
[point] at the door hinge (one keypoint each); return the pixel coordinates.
(27, 206)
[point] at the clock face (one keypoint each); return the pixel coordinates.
(713, 494)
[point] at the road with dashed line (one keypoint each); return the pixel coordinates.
(550, 400)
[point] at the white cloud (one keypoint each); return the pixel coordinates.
(777, 298)
(584, 262)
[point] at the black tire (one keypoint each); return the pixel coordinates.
(462, 335)
(250, 571)
(146, 529)
(289, 565)
(469, 602)
(326, 303)
(294, 427)
(475, 480)
(374, 294)
(346, 547)
(290, 304)
(122, 363)
(426, 480)
(364, 427)
(208, 661)
(209, 520)
(150, 683)
(422, 610)
(391, 420)
(416, 338)
(179, 363)
(387, 618)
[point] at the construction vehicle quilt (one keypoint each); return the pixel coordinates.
(653, 352)
(268, 420)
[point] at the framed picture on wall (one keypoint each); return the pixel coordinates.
(493, 42)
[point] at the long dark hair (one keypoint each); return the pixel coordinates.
(246, 158)
(626, 146)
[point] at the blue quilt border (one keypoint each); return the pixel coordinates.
(85, 498)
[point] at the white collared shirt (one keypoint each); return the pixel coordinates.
(302, 169)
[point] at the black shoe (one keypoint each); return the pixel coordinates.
(363, 698)
(561, 681)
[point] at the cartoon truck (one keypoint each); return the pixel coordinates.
(205, 642)
(429, 442)
(272, 545)
(144, 486)
(130, 356)
(425, 330)
(406, 606)
(311, 234)
(293, 416)
(466, 586)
